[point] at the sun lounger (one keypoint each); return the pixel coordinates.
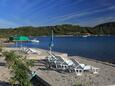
(58, 62)
(84, 67)
(90, 68)
(33, 51)
(29, 50)
(71, 65)
(67, 65)
(77, 67)
(63, 65)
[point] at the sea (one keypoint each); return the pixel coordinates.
(94, 47)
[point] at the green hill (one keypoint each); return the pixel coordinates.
(65, 29)
(105, 28)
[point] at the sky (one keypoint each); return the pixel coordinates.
(16, 13)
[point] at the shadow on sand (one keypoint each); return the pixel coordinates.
(2, 64)
(44, 66)
(2, 83)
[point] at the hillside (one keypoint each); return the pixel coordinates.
(65, 29)
(106, 28)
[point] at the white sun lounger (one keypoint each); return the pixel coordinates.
(80, 68)
(32, 50)
(58, 62)
(72, 65)
(29, 50)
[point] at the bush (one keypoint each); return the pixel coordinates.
(19, 68)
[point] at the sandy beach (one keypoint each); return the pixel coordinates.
(105, 77)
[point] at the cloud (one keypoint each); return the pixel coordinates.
(82, 14)
(49, 5)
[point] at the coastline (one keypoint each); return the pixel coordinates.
(104, 78)
(55, 78)
(75, 35)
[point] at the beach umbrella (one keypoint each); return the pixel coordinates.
(20, 39)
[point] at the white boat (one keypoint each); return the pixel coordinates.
(35, 41)
(86, 35)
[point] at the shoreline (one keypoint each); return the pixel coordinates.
(105, 75)
(75, 36)
(103, 62)
(55, 78)
(82, 57)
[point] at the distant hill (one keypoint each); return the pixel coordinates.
(65, 29)
(105, 28)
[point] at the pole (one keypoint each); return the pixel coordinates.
(50, 50)
(51, 44)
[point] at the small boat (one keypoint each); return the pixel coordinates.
(85, 36)
(35, 41)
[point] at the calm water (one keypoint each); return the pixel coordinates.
(100, 48)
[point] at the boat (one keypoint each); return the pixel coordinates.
(35, 41)
(85, 36)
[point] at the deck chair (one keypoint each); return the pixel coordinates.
(61, 63)
(33, 51)
(77, 67)
(29, 50)
(51, 61)
(84, 67)
(57, 61)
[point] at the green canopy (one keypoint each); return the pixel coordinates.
(18, 38)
